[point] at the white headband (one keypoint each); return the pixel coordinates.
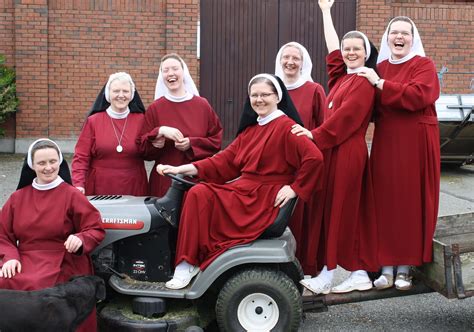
(366, 42)
(122, 76)
(272, 79)
(29, 157)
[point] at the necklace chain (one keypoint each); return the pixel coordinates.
(115, 131)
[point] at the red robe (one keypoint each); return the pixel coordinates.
(348, 218)
(41, 222)
(405, 160)
(195, 119)
(305, 224)
(99, 168)
(219, 215)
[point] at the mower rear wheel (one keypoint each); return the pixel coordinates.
(259, 299)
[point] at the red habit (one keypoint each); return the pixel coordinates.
(99, 168)
(219, 215)
(195, 119)
(41, 221)
(349, 218)
(406, 161)
(305, 224)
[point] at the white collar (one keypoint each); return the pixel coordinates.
(297, 84)
(47, 186)
(269, 118)
(117, 115)
(407, 57)
(187, 96)
(356, 70)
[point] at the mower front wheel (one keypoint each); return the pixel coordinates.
(259, 299)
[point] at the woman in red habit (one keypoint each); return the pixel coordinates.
(47, 229)
(180, 127)
(405, 153)
(272, 166)
(293, 65)
(107, 158)
(349, 236)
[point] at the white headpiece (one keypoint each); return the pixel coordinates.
(366, 42)
(272, 79)
(121, 76)
(416, 47)
(161, 89)
(29, 157)
(306, 66)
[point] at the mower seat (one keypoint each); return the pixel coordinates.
(281, 221)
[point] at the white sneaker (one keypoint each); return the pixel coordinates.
(317, 285)
(182, 278)
(353, 283)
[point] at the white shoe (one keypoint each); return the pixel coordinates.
(403, 281)
(353, 283)
(317, 285)
(384, 281)
(182, 278)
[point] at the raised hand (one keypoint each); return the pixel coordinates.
(325, 4)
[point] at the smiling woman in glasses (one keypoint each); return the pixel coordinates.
(348, 234)
(293, 65)
(272, 166)
(405, 152)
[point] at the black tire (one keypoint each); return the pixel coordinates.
(240, 303)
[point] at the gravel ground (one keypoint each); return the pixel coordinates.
(427, 312)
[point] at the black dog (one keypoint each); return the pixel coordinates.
(60, 308)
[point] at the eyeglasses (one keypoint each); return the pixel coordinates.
(403, 33)
(262, 95)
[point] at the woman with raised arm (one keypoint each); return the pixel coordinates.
(293, 65)
(180, 126)
(405, 155)
(272, 166)
(349, 235)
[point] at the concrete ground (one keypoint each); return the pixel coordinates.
(427, 312)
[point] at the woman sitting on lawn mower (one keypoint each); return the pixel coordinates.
(272, 166)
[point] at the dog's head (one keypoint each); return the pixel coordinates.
(82, 294)
(95, 282)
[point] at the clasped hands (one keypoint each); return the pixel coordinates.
(180, 142)
(11, 267)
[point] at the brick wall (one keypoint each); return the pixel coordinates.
(65, 50)
(446, 28)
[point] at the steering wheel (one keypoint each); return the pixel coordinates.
(180, 179)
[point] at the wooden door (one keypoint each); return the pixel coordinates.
(240, 38)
